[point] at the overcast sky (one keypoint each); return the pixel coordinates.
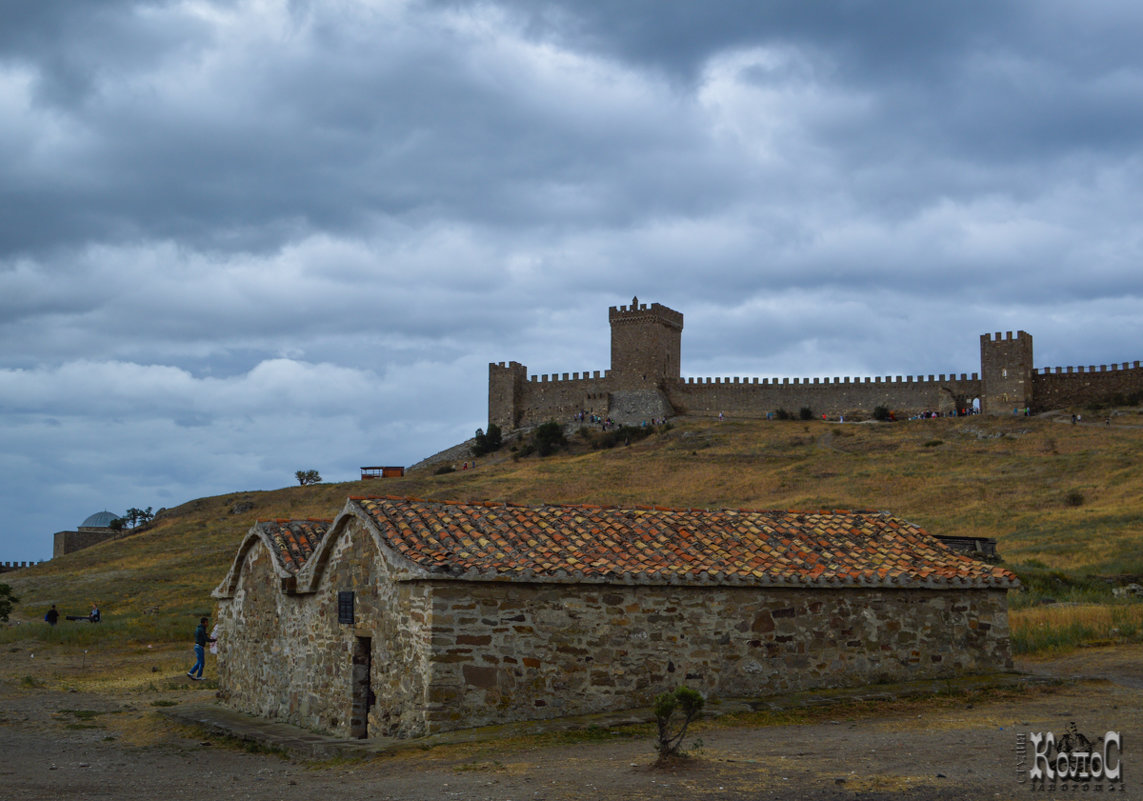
(244, 238)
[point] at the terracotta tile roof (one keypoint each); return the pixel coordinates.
(493, 541)
(294, 540)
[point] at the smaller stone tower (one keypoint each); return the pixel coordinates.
(646, 345)
(506, 393)
(1006, 373)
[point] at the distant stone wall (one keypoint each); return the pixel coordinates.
(65, 542)
(6, 567)
(742, 397)
(1061, 387)
(517, 652)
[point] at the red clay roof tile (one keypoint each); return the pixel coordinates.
(294, 540)
(651, 545)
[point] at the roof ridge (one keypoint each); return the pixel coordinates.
(280, 520)
(637, 507)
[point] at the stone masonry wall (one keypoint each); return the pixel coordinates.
(1062, 387)
(758, 397)
(506, 652)
(646, 344)
(287, 657)
(543, 398)
(65, 542)
(1006, 372)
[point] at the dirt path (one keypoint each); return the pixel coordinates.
(105, 745)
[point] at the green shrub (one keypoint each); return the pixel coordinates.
(7, 601)
(882, 413)
(806, 413)
(549, 438)
(684, 700)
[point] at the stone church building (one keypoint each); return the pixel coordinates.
(404, 617)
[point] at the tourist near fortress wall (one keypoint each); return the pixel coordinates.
(645, 382)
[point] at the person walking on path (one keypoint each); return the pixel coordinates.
(52, 616)
(201, 638)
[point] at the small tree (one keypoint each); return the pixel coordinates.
(882, 413)
(684, 700)
(138, 517)
(487, 443)
(495, 437)
(7, 601)
(806, 413)
(305, 477)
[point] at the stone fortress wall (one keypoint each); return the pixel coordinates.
(6, 567)
(65, 542)
(645, 381)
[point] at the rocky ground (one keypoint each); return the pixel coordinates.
(63, 737)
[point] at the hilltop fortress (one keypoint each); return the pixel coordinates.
(645, 381)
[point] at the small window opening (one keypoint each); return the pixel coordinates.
(345, 606)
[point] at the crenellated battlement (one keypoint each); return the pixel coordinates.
(1006, 338)
(940, 378)
(642, 312)
(1103, 368)
(546, 378)
(6, 567)
(645, 379)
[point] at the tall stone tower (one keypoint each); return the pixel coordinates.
(646, 345)
(1006, 372)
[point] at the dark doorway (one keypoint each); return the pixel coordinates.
(362, 687)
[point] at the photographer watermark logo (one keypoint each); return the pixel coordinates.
(1070, 762)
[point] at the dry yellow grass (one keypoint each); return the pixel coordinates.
(1055, 496)
(1062, 627)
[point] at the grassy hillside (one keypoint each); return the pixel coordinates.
(1058, 497)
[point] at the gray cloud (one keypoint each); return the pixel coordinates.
(245, 238)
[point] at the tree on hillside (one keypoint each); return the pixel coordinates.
(138, 517)
(549, 438)
(7, 601)
(487, 443)
(305, 477)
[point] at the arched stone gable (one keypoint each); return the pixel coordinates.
(229, 585)
(310, 576)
